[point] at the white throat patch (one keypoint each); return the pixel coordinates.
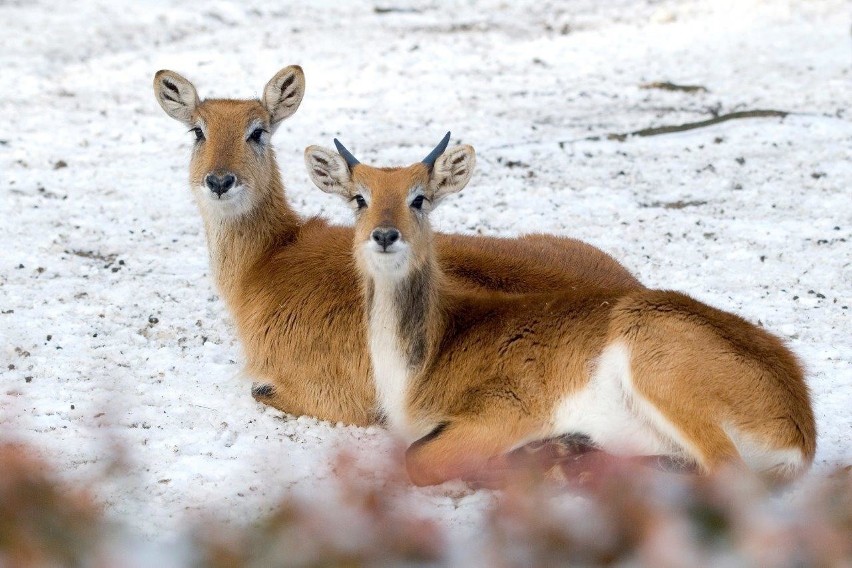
(390, 265)
(390, 368)
(235, 202)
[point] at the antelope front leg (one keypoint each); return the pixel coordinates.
(263, 392)
(303, 398)
(272, 395)
(468, 449)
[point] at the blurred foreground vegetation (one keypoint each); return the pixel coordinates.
(622, 515)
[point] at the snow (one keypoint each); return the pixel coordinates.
(112, 336)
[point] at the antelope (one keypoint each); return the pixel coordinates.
(287, 281)
(465, 376)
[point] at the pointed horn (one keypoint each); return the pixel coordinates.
(439, 149)
(347, 155)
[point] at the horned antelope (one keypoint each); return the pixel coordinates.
(287, 281)
(465, 376)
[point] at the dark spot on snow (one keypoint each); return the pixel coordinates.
(60, 164)
(28, 379)
(94, 255)
(49, 337)
(72, 407)
(740, 160)
(11, 367)
(817, 175)
(153, 320)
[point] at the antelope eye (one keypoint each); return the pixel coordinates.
(256, 135)
(360, 201)
(199, 134)
(418, 202)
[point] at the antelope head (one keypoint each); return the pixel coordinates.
(391, 205)
(232, 163)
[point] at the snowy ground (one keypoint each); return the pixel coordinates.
(111, 334)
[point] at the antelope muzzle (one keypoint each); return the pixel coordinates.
(220, 182)
(385, 237)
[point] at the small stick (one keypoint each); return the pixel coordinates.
(657, 130)
(667, 86)
(700, 124)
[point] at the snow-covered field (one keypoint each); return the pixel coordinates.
(112, 336)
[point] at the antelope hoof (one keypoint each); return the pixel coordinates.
(262, 390)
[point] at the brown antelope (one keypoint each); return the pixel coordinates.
(287, 281)
(465, 376)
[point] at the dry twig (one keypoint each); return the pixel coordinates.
(667, 86)
(669, 129)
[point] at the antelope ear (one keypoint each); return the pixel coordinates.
(328, 170)
(452, 171)
(283, 93)
(176, 95)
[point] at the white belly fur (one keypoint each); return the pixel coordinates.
(602, 410)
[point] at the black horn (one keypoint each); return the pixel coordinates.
(347, 155)
(439, 149)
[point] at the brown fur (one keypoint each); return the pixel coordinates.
(498, 365)
(289, 282)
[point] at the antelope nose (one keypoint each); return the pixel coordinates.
(220, 184)
(385, 237)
